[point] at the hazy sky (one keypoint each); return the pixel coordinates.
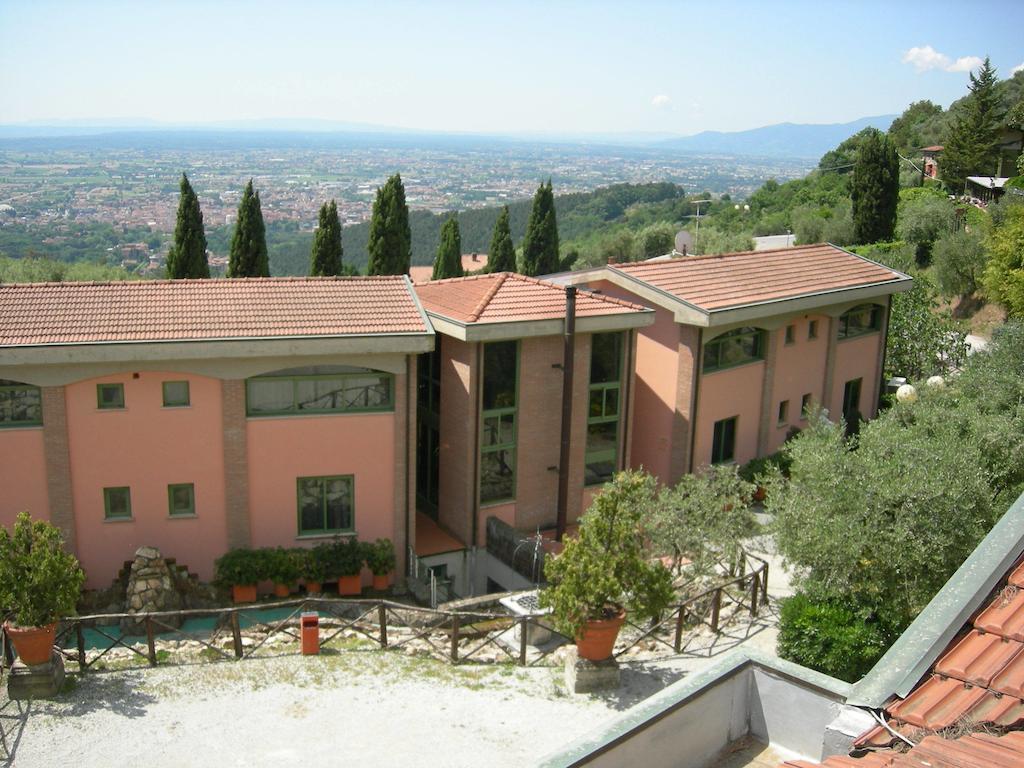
(511, 66)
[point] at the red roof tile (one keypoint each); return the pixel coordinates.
(507, 297)
(976, 750)
(938, 703)
(979, 657)
(1004, 615)
(471, 262)
(197, 310)
(750, 277)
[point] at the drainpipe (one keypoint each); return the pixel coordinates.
(568, 361)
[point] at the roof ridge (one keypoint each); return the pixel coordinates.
(706, 256)
(204, 280)
(463, 278)
(482, 304)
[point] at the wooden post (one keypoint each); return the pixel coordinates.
(455, 639)
(524, 631)
(382, 620)
(764, 583)
(151, 642)
(236, 634)
(716, 607)
(755, 589)
(80, 642)
(679, 629)
(8, 649)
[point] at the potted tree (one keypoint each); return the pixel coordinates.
(348, 558)
(316, 567)
(284, 570)
(605, 570)
(240, 570)
(39, 582)
(380, 557)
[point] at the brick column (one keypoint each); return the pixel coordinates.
(684, 417)
(405, 465)
(57, 455)
(236, 464)
(767, 392)
(830, 364)
(883, 337)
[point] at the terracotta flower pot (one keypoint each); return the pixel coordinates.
(282, 590)
(596, 640)
(350, 585)
(314, 587)
(33, 644)
(760, 493)
(381, 582)
(243, 593)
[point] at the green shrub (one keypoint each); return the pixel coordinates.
(840, 640)
(317, 563)
(283, 566)
(755, 468)
(242, 567)
(39, 581)
(380, 557)
(347, 557)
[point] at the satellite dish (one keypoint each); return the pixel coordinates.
(684, 242)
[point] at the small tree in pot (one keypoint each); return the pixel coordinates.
(285, 567)
(240, 570)
(39, 581)
(605, 570)
(380, 557)
(317, 567)
(348, 556)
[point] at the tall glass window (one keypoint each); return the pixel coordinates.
(604, 407)
(498, 420)
(319, 389)
(21, 405)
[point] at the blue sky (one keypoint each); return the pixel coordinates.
(564, 67)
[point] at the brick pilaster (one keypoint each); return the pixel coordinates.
(684, 416)
(830, 363)
(405, 467)
(57, 455)
(764, 426)
(236, 464)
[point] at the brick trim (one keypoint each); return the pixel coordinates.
(236, 464)
(830, 363)
(57, 455)
(767, 392)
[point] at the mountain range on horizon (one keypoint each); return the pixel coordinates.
(795, 140)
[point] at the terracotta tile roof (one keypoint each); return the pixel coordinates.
(976, 750)
(197, 310)
(507, 297)
(471, 262)
(737, 279)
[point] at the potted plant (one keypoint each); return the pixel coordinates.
(380, 557)
(348, 556)
(241, 569)
(284, 570)
(39, 582)
(316, 567)
(605, 570)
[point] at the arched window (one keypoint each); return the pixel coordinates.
(742, 345)
(21, 405)
(319, 389)
(866, 318)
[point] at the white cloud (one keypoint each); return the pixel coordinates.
(661, 101)
(965, 64)
(1018, 68)
(924, 58)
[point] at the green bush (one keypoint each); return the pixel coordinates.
(380, 557)
(39, 581)
(317, 563)
(837, 639)
(347, 557)
(242, 567)
(283, 566)
(755, 468)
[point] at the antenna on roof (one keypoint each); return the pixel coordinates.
(684, 242)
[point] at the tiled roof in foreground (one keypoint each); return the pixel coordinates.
(505, 297)
(204, 310)
(733, 280)
(977, 750)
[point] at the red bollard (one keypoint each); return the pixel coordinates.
(310, 633)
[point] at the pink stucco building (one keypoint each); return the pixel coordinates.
(203, 415)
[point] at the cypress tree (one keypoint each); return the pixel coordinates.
(390, 243)
(972, 148)
(875, 189)
(448, 262)
(540, 246)
(187, 257)
(248, 256)
(325, 259)
(502, 256)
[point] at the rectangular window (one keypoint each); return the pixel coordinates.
(110, 396)
(743, 345)
(812, 329)
(117, 503)
(860, 321)
(783, 411)
(723, 447)
(790, 334)
(181, 500)
(605, 407)
(805, 403)
(326, 505)
(21, 405)
(322, 393)
(176, 394)
(498, 421)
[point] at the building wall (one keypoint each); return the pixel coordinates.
(146, 447)
(23, 474)
(857, 358)
(799, 369)
(730, 392)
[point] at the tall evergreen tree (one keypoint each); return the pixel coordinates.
(448, 262)
(502, 256)
(540, 246)
(390, 244)
(325, 259)
(875, 189)
(248, 255)
(187, 257)
(972, 148)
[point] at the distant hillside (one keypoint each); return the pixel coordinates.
(781, 140)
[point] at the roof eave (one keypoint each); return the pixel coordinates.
(521, 329)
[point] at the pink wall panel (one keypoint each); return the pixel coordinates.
(22, 474)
